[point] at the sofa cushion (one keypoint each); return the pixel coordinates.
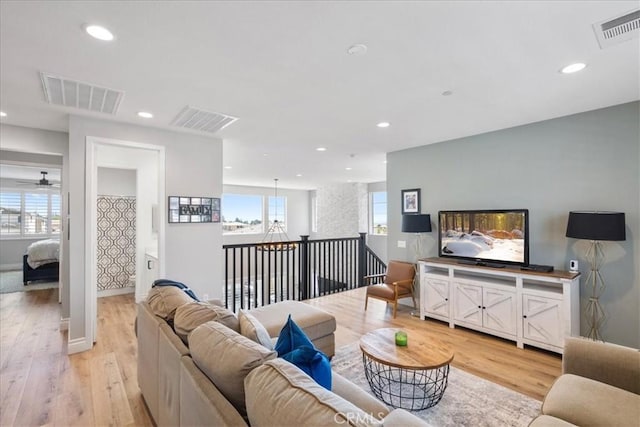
(251, 328)
(164, 300)
(586, 402)
(280, 394)
(316, 323)
(190, 316)
(294, 346)
(226, 357)
(548, 421)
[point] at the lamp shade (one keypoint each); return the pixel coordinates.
(596, 225)
(420, 223)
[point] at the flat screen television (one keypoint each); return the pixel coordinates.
(496, 237)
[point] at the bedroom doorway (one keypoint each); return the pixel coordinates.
(30, 216)
(125, 189)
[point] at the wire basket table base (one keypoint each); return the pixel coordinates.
(404, 388)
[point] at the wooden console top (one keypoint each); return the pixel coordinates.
(559, 274)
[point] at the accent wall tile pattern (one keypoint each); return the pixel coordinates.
(116, 241)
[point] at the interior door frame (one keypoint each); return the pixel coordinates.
(91, 194)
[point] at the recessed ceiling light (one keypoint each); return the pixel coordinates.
(383, 124)
(347, 169)
(573, 68)
(298, 175)
(447, 93)
(384, 162)
(145, 115)
(228, 167)
(3, 114)
(98, 32)
(357, 49)
(321, 149)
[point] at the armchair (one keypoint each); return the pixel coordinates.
(397, 283)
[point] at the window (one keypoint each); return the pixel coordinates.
(27, 213)
(277, 211)
(378, 217)
(241, 214)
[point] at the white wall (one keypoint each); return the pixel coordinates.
(193, 251)
(28, 140)
(118, 182)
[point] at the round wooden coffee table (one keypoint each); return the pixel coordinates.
(412, 377)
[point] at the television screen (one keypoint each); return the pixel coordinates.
(485, 236)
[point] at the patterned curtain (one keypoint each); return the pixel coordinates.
(116, 241)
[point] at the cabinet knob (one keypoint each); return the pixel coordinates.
(524, 316)
(446, 299)
(484, 308)
(479, 307)
(148, 264)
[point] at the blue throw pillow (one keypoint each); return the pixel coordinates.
(295, 347)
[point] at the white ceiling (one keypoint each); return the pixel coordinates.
(283, 69)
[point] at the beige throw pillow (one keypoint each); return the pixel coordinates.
(226, 357)
(251, 328)
(164, 300)
(190, 316)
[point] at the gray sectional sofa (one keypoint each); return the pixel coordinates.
(220, 377)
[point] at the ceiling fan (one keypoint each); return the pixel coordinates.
(43, 182)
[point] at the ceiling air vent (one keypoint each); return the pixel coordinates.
(205, 121)
(85, 96)
(618, 29)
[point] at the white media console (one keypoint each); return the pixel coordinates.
(528, 307)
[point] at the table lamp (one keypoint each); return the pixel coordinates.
(596, 227)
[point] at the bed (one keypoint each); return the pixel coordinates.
(42, 261)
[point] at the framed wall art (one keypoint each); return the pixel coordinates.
(411, 201)
(184, 209)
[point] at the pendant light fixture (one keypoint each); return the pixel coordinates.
(276, 239)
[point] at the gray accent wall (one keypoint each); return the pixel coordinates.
(587, 161)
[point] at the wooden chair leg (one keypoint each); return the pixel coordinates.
(395, 307)
(366, 302)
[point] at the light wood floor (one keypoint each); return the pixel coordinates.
(41, 385)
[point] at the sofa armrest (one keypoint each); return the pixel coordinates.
(354, 394)
(402, 418)
(608, 363)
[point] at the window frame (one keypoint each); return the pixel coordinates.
(262, 214)
(50, 193)
(372, 222)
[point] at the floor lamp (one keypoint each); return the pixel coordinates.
(416, 223)
(596, 227)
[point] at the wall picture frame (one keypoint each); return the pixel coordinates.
(411, 201)
(183, 209)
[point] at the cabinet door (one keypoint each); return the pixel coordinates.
(499, 310)
(436, 296)
(467, 303)
(542, 319)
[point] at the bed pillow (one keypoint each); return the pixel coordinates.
(251, 328)
(295, 347)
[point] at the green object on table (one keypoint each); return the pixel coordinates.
(401, 338)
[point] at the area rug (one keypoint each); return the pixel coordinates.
(11, 281)
(468, 400)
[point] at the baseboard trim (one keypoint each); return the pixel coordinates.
(64, 324)
(10, 267)
(79, 345)
(119, 291)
